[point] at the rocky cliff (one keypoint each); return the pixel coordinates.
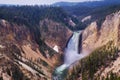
(54, 34)
(102, 45)
(95, 36)
(22, 57)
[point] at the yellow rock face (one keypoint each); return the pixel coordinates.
(109, 31)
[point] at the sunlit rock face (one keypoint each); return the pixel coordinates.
(18, 44)
(94, 37)
(54, 33)
(13, 33)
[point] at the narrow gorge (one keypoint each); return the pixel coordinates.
(71, 55)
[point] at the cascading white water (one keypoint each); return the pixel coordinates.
(71, 55)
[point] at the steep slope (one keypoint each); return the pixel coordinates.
(32, 40)
(24, 45)
(54, 34)
(20, 46)
(103, 45)
(93, 35)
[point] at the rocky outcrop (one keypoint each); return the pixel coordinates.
(94, 37)
(54, 34)
(19, 47)
(113, 67)
(102, 45)
(13, 32)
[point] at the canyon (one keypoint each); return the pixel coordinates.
(53, 43)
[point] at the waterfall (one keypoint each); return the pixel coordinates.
(71, 55)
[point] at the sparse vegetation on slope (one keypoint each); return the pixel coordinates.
(88, 66)
(112, 77)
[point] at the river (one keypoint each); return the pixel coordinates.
(71, 55)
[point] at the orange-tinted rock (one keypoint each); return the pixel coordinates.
(54, 34)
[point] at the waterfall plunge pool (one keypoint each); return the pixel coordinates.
(71, 55)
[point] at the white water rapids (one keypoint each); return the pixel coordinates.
(71, 55)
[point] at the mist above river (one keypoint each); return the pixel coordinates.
(71, 55)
